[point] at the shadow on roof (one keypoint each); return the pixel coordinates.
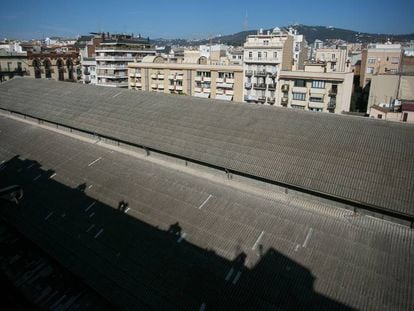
(138, 266)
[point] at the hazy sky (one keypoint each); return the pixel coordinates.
(197, 19)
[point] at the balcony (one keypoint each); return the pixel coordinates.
(179, 77)
(285, 88)
(259, 86)
(271, 86)
(206, 90)
(219, 80)
(248, 85)
(261, 99)
(317, 91)
(220, 91)
(316, 105)
(262, 60)
(178, 87)
(333, 92)
(301, 103)
(154, 76)
(115, 58)
(284, 101)
(160, 86)
(225, 85)
(160, 77)
(229, 92)
(249, 73)
(299, 89)
(198, 89)
(271, 100)
(331, 105)
(260, 73)
(138, 75)
(138, 84)
(171, 77)
(171, 87)
(249, 98)
(154, 86)
(198, 78)
(229, 80)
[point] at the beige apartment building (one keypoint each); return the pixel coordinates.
(336, 59)
(316, 90)
(380, 59)
(265, 55)
(13, 64)
(196, 78)
(387, 88)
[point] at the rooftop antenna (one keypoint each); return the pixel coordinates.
(246, 22)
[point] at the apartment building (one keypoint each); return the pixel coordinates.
(87, 46)
(113, 55)
(336, 59)
(380, 59)
(315, 89)
(13, 64)
(300, 50)
(196, 78)
(265, 55)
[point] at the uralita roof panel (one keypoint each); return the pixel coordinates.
(362, 160)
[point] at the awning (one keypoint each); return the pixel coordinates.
(203, 95)
(224, 97)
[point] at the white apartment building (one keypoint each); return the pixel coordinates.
(265, 55)
(300, 50)
(113, 55)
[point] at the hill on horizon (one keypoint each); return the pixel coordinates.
(311, 33)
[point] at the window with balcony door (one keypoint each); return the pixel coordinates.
(229, 75)
(298, 96)
(317, 84)
(300, 83)
(316, 99)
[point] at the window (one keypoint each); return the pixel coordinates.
(300, 83)
(299, 96)
(229, 75)
(380, 116)
(203, 74)
(266, 42)
(372, 60)
(370, 70)
(274, 54)
(317, 84)
(265, 54)
(259, 54)
(395, 60)
(250, 54)
(316, 99)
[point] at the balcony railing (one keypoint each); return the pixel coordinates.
(333, 92)
(271, 86)
(261, 99)
(248, 85)
(271, 100)
(284, 101)
(260, 73)
(262, 60)
(260, 86)
(249, 73)
(171, 87)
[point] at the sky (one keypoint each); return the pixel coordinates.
(194, 19)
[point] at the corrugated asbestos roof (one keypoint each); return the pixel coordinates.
(361, 160)
(185, 242)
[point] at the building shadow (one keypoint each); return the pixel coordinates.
(137, 266)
